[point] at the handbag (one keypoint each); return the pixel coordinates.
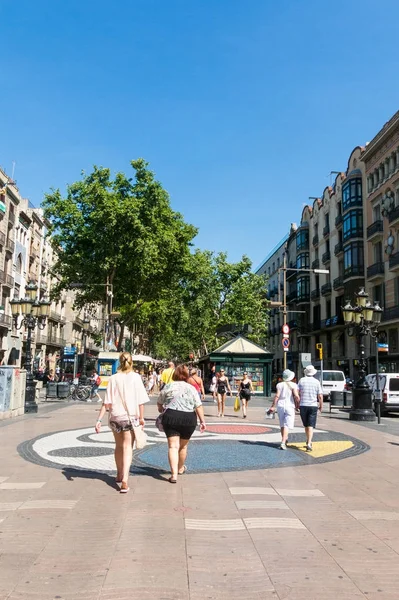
(140, 437)
(237, 405)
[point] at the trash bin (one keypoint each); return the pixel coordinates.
(63, 389)
(51, 389)
(348, 399)
(337, 398)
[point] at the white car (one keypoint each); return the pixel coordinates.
(333, 381)
(389, 390)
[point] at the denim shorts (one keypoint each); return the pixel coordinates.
(308, 415)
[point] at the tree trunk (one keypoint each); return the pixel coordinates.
(121, 336)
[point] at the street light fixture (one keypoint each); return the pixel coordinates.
(364, 318)
(34, 313)
(86, 327)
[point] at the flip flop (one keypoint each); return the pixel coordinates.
(124, 490)
(184, 470)
(171, 480)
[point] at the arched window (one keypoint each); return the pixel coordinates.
(19, 263)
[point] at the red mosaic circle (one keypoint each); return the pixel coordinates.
(238, 429)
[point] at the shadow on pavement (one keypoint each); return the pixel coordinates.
(71, 474)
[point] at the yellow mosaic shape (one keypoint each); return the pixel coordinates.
(321, 449)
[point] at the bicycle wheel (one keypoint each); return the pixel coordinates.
(82, 393)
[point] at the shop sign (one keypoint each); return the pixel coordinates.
(383, 347)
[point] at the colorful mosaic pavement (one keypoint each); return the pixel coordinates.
(223, 447)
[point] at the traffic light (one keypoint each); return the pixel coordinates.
(319, 348)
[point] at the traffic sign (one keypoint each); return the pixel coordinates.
(285, 342)
(286, 335)
(286, 328)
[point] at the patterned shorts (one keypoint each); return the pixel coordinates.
(119, 426)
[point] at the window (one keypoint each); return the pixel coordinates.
(19, 264)
(378, 252)
(339, 208)
(353, 224)
(328, 309)
(393, 340)
(340, 268)
(302, 261)
(379, 294)
(396, 290)
(353, 259)
(303, 287)
(327, 220)
(376, 213)
(302, 240)
(352, 194)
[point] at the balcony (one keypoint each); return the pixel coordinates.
(291, 274)
(315, 240)
(314, 294)
(55, 316)
(390, 313)
(326, 230)
(376, 271)
(5, 321)
(338, 220)
(326, 289)
(8, 280)
(394, 262)
(10, 245)
(11, 219)
(338, 248)
(354, 271)
(326, 257)
(291, 297)
(293, 324)
(303, 298)
(338, 283)
(54, 340)
(315, 326)
(376, 229)
(2, 238)
(393, 216)
(41, 338)
(316, 264)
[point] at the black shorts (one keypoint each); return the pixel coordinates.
(245, 395)
(179, 423)
(308, 415)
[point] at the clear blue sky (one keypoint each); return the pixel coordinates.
(242, 107)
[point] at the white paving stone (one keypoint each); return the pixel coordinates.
(300, 493)
(9, 506)
(368, 515)
(267, 504)
(22, 486)
(214, 525)
(3, 479)
(42, 504)
(273, 523)
(267, 491)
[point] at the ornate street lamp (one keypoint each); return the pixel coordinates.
(86, 327)
(34, 313)
(364, 319)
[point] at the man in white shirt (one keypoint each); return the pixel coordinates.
(311, 399)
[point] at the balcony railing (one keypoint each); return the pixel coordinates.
(326, 257)
(377, 268)
(2, 238)
(10, 245)
(314, 294)
(55, 340)
(8, 280)
(338, 283)
(301, 298)
(292, 296)
(326, 230)
(315, 240)
(338, 220)
(326, 289)
(55, 316)
(338, 248)
(393, 215)
(394, 261)
(5, 320)
(316, 264)
(354, 271)
(374, 228)
(11, 218)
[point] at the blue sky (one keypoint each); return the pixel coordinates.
(241, 107)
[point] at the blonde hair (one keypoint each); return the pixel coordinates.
(125, 362)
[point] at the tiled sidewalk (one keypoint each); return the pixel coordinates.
(317, 531)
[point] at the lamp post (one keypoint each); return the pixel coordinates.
(34, 313)
(364, 318)
(83, 375)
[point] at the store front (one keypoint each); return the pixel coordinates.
(239, 356)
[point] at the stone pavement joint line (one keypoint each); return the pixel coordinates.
(22, 486)
(217, 525)
(273, 523)
(268, 491)
(300, 493)
(368, 515)
(5, 506)
(35, 504)
(249, 504)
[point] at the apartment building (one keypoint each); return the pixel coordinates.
(381, 160)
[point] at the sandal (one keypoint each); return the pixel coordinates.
(184, 470)
(124, 488)
(172, 480)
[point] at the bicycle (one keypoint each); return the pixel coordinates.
(79, 392)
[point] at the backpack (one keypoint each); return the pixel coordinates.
(98, 380)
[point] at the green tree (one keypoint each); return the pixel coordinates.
(119, 230)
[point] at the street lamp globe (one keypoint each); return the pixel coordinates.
(361, 297)
(26, 306)
(36, 309)
(31, 290)
(86, 324)
(44, 308)
(377, 313)
(15, 307)
(348, 311)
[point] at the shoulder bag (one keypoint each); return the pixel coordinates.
(140, 437)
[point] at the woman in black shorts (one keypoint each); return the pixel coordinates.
(182, 406)
(245, 393)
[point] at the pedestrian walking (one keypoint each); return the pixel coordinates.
(182, 406)
(95, 384)
(167, 374)
(196, 381)
(125, 398)
(151, 382)
(311, 399)
(286, 400)
(245, 389)
(222, 386)
(213, 382)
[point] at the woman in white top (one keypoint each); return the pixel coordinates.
(286, 399)
(125, 398)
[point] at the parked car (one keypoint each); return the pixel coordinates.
(333, 381)
(389, 388)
